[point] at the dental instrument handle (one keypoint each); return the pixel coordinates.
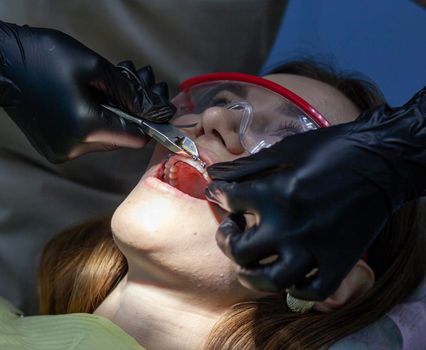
(166, 134)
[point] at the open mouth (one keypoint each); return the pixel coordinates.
(186, 175)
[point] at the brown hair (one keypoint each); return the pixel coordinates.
(357, 88)
(81, 266)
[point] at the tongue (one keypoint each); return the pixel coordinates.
(190, 181)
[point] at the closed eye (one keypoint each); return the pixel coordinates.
(223, 98)
(286, 128)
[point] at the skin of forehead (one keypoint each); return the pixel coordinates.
(330, 102)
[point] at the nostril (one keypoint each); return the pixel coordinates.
(219, 136)
(199, 130)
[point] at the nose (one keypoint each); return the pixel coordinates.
(221, 125)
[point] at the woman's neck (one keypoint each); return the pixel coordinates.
(159, 318)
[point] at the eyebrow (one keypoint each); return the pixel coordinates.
(289, 107)
(237, 89)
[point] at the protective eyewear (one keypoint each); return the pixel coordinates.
(266, 112)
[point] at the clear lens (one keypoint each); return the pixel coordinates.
(266, 116)
(270, 122)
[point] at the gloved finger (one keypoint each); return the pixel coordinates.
(115, 87)
(243, 167)
(161, 89)
(146, 76)
(127, 65)
(128, 69)
(231, 225)
(314, 289)
(321, 285)
(253, 245)
(329, 275)
(266, 161)
(146, 104)
(9, 92)
(291, 267)
(156, 108)
(294, 264)
(143, 78)
(236, 197)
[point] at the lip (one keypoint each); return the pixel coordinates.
(152, 178)
(152, 181)
(206, 156)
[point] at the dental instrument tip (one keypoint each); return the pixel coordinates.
(198, 159)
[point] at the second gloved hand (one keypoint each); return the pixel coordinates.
(320, 197)
(53, 86)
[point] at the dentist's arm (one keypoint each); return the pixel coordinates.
(53, 86)
(321, 197)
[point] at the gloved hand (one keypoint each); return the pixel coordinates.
(320, 197)
(53, 87)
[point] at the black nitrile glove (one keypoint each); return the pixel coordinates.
(53, 87)
(321, 198)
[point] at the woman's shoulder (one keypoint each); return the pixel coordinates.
(72, 331)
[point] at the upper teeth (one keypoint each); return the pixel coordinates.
(170, 173)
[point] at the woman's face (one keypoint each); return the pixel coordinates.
(167, 230)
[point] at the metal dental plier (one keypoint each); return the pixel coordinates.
(166, 134)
